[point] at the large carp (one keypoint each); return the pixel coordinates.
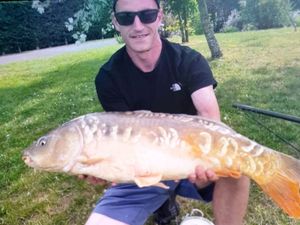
(145, 148)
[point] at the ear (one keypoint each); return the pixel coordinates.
(115, 22)
(160, 16)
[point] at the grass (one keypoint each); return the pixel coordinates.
(260, 68)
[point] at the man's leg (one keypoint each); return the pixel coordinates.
(128, 204)
(233, 192)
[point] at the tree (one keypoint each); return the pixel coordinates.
(93, 14)
(288, 11)
(208, 30)
(265, 14)
(296, 4)
(22, 28)
(183, 10)
(220, 10)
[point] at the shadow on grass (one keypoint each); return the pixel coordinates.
(31, 110)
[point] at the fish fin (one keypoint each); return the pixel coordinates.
(161, 185)
(89, 161)
(284, 185)
(228, 173)
(148, 180)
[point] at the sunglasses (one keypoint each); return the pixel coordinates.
(145, 16)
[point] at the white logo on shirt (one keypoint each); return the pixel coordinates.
(175, 87)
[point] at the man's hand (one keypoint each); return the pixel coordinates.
(202, 178)
(94, 180)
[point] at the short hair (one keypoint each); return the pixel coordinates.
(115, 2)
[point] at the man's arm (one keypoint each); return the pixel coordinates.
(230, 196)
(206, 104)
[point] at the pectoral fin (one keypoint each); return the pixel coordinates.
(148, 180)
(161, 185)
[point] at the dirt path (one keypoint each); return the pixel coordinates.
(49, 52)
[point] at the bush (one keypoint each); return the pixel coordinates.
(229, 29)
(233, 23)
(248, 27)
(265, 14)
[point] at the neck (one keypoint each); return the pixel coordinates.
(146, 61)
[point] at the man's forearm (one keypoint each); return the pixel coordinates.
(230, 200)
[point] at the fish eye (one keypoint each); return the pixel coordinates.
(42, 141)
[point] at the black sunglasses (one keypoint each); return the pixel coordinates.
(145, 16)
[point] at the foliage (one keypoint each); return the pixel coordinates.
(93, 12)
(220, 10)
(28, 25)
(170, 25)
(229, 29)
(23, 28)
(233, 22)
(183, 10)
(249, 27)
(40, 6)
(258, 68)
(295, 3)
(196, 23)
(265, 14)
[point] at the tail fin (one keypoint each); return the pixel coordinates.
(284, 186)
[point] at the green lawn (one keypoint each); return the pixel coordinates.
(260, 68)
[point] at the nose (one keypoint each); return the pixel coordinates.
(137, 24)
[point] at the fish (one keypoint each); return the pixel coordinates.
(146, 148)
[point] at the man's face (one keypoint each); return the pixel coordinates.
(139, 37)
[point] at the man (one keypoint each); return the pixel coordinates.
(150, 73)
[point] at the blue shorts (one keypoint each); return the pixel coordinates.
(133, 205)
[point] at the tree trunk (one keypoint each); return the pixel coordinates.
(208, 30)
(292, 21)
(181, 28)
(185, 22)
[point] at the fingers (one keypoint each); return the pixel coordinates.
(92, 180)
(202, 177)
(82, 176)
(211, 175)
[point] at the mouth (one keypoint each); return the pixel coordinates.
(27, 160)
(140, 36)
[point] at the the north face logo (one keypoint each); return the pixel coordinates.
(175, 87)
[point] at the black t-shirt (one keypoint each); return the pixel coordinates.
(180, 71)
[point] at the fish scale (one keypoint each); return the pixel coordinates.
(145, 148)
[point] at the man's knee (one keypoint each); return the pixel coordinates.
(99, 219)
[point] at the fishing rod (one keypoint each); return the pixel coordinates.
(272, 114)
(287, 117)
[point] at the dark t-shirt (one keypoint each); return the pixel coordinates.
(180, 71)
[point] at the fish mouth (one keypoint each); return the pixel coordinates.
(27, 160)
(30, 162)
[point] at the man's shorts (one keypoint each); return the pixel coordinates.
(133, 205)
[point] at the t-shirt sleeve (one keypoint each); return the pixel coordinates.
(108, 93)
(198, 73)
